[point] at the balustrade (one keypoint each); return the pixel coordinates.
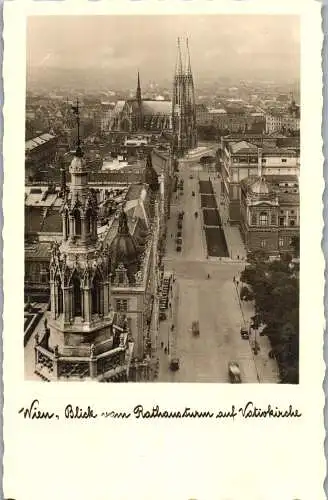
(111, 361)
(44, 359)
(76, 368)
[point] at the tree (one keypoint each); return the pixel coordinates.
(276, 293)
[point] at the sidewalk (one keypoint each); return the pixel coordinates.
(166, 335)
(267, 368)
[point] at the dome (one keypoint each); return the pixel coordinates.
(260, 186)
(123, 248)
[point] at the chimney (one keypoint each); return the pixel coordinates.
(259, 161)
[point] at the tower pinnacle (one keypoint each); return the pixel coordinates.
(138, 94)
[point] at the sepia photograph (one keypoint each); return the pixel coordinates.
(162, 201)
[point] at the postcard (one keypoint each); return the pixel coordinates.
(162, 230)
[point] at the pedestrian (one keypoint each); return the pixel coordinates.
(172, 328)
(162, 345)
(234, 279)
(165, 350)
(237, 257)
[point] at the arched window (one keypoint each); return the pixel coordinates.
(88, 222)
(77, 218)
(66, 226)
(59, 296)
(263, 219)
(77, 299)
(95, 294)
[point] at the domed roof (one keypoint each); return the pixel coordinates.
(260, 186)
(123, 248)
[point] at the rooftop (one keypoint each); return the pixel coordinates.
(37, 141)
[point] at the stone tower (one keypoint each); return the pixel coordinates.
(79, 271)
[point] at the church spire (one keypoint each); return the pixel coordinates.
(188, 64)
(178, 65)
(138, 95)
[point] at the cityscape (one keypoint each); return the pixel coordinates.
(162, 203)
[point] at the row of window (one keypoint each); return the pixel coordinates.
(263, 220)
(254, 160)
(282, 242)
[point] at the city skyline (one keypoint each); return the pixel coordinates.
(264, 48)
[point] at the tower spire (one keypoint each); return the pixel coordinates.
(76, 110)
(178, 65)
(188, 64)
(138, 95)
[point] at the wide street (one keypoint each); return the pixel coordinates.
(212, 301)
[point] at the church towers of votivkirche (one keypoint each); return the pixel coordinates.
(183, 105)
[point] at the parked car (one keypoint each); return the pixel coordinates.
(244, 333)
(162, 316)
(178, 248)
(195, 327)
(174, 364)
(234, 372)
(179, 224)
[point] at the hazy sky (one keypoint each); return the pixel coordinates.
(238, 46)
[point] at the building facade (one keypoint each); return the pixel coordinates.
(270, 213)
(241, 159)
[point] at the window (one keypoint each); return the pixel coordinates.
(254, 221)
(77, 217)
(292, 211)
(273, 219)
(292, 222)
(121, 305)
(281, 242)
(77, 296)
(263, 160)
(281, 221)
(263, 219)
(263, 243)
(283, 160)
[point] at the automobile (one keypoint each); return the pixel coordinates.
(180, 216)
(179, 224)
(174, 364)
(162, 316)
(195, 327)
(244, 333)
(234, 372)
(178, 248)
(178, 241)
(190, 176)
